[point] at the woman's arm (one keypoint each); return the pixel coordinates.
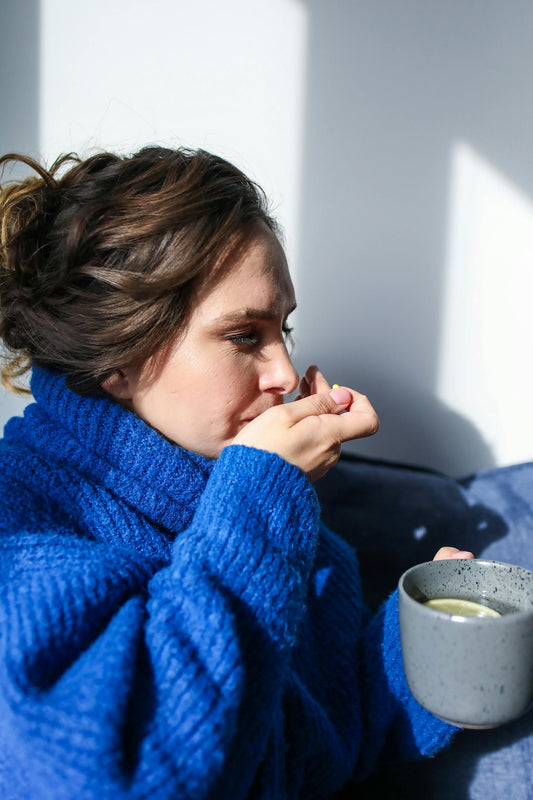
(396, 725)
(121, 679)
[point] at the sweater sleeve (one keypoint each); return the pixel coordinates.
(396, 726)
(123, 679)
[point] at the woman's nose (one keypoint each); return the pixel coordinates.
(278, 375)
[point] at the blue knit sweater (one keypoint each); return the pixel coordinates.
(175, 627)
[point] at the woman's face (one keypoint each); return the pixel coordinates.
(232, 363)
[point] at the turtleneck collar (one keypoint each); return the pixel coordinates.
(113, 448)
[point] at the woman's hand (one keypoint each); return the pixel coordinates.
(452, 552)
(313, 382)
(309, 431)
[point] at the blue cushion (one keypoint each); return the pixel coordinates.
(396, 516)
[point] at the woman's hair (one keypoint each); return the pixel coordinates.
(99, 258)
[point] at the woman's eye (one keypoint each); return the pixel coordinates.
(243, 339)
(287, 335)
(252, 338)
(287, 332)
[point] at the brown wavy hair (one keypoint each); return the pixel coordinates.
(99, 258)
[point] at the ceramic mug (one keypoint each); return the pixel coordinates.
(475, 672)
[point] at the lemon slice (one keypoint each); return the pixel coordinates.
(461, 608)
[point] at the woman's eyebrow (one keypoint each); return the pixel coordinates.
(252, 313)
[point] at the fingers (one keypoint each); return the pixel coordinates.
(308, 432)
(316, 404)
(313, 382)
(452, 552)
(316, 379)
(360, 420)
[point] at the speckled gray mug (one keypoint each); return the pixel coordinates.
(474, 672)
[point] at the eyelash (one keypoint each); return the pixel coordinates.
(243, 339)
(251, 339)
(289, 340)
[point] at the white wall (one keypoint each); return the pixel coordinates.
(415, 283)
(395, 141)
(228, 77)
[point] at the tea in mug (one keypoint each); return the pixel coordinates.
(461, 608)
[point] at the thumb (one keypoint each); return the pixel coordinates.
(341, 396)
(332, 402)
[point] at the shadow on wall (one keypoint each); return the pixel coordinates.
(19, 68)
(391, 87)
(416, 427)
(19, 92)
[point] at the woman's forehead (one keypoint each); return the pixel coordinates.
(251, 290)
(256, 271)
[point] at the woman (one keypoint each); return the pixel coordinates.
(175, 620)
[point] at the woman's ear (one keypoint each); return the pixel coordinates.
(119, 385)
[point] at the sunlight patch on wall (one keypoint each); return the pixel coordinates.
(228, 77)
(486, 346)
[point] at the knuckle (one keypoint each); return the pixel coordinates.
(374, 424)
(322, 403)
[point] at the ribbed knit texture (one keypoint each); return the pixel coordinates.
(175, 627)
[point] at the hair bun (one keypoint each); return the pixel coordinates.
(26, 207)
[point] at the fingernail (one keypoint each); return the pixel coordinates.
(341, 396)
